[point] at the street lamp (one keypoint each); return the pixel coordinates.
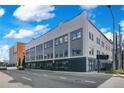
(113, 29)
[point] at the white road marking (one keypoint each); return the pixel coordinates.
(88, 81)
(7, 72)
(27, 78)
(27, 72)
(45, 75)
(62, 77)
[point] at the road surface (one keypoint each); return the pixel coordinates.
(54, 79)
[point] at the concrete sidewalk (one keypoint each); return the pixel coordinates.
(117, 81)
(7, 81)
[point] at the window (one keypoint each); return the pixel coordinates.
(45, 45)
(61, 40)
(41, 56)
(98, 40)
(102, 43)
(48, 56)
(98, 52)
(73, 36)
(60, 55)
(56, 55)
(90, 36)
(65, 53)
(51, 55)
(66, 38)
(76, 52)
(50, 43)
(78, 34)
(91, 51)
(56, 41)
(45, 56)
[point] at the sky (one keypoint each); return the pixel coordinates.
(25, 22)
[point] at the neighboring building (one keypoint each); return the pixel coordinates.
(16, 53)
(71, 46)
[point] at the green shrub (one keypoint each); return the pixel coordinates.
(119, 71)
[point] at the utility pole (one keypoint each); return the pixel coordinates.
(116, 51)
(120, 49)
(114, 39)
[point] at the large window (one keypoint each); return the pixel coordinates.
(39, 52)
(65, 53)
(61, 40)
(56, 55)
(73, 36)
(48, 44)
(76, 52)
(32, 53)
(79, 34)
(65, 38)
(27, 55)
(56, 41)
(76, 34)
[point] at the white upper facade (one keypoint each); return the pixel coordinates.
(80, 21)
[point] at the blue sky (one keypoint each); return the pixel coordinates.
(22, 23)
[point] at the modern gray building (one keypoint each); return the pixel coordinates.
(71, 46)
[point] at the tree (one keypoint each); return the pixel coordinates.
(23, 62)
(19, 62)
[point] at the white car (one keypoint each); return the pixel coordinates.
(3, 68)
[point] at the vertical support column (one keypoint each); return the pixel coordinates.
(53, 54)
(35, 53)
(69, 51)
(87, 64)
(43, 51)
(53, 49)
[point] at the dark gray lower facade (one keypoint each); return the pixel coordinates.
(81, 64)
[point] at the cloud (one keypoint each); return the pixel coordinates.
(40, 27)
(20, 34)
(4, 52)
(91, 13)
(34, 13)
(122, 25)
(104, 30)
(23, 33)
(89, 7)
(107, 33)
(2, 11)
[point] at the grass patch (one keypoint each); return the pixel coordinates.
(118, 71)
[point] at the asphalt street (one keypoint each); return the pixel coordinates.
(56, 79)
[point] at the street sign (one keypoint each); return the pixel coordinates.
(102, 57)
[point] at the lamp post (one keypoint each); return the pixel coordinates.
(113, 29)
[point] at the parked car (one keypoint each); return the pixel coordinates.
(20, 68)
(3, 68)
